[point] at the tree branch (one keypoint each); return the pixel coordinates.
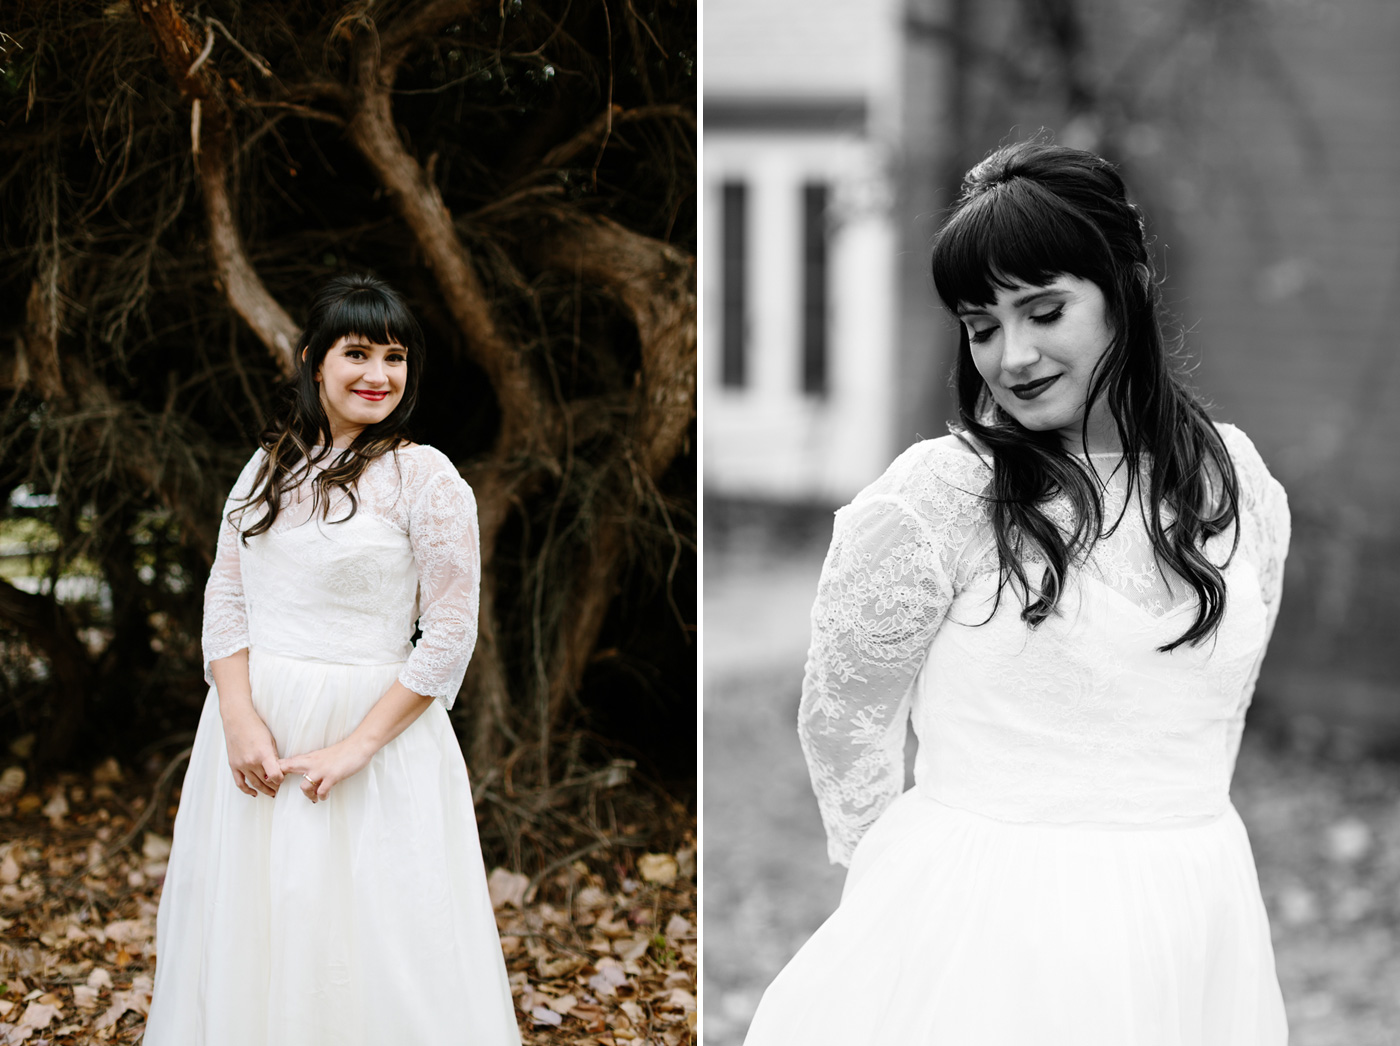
(418, 202)
(601, 124)
(655, 283)
(409, 31)
(211, 134)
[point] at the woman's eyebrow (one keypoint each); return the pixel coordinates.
(1018, 303)
(392, 347)
(1026, 299)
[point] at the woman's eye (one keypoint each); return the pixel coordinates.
(1049, 317)
(978, 337)
(354, 354)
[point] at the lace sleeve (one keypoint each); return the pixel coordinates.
(1265, 530)
(225, 609)
(442, 528)
(885, 588)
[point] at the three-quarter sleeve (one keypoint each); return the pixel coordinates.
(1265, 527)
(225, 628)
(885, 588)
(442, 529)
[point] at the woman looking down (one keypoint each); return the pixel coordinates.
(1070, 597)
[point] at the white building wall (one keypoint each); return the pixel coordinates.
(770, 439)
(768, 48)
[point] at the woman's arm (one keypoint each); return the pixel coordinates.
(252, 751)
(442, 529)
(882, 596)
(1266, 527)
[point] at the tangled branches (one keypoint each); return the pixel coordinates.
(175, 185)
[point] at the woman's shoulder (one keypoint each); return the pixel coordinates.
(940, 478)
(421, 466)
(243, 485)
(1254, 475)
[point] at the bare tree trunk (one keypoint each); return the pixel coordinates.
(211, 131)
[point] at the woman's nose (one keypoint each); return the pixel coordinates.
(1019, 350)
(374, 373)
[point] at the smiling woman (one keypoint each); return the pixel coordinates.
(361, 383)
(1037, 349)
(1069, 597)
(351, 907)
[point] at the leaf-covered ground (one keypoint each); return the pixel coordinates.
(1324, 826)
(600, 954)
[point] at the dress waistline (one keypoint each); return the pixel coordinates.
(262, 654)
(1159, 824)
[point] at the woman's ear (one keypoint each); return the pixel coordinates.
(317, 375)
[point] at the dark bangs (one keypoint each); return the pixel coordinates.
(382, 318)
(1016, 232)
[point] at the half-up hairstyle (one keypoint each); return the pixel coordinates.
(1029, 213)
(356, 305)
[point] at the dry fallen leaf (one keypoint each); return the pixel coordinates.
(507, 888)
(548, 969)
(658, 868)
(679, 999)
(563, 1004)
(129, 931)
(10, 870)
(608, 977)
(99, 978)
(56, 809)
(544, 1015)
(634, 948)
(612, 927)
(39, 1014)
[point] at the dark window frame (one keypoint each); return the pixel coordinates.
(734, 284)
(816, 289)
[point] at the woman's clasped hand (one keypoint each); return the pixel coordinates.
(252, 754)
(325, 768)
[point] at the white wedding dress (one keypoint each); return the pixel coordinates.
(1068, 869)
(363, 919)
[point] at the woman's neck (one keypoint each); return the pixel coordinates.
(1098, 438)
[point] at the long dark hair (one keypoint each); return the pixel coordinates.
(1028, 213)
(301, 437)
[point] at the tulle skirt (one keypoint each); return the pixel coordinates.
(958, 930)
(361, 919)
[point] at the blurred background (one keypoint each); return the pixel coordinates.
(1260, 137)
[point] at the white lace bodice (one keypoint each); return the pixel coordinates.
(350, 592)
(1078, 720)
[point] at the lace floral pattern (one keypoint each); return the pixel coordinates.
(349, 589)
(1052, 723)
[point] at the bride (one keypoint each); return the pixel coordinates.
(1070, 596)
(326, 883)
